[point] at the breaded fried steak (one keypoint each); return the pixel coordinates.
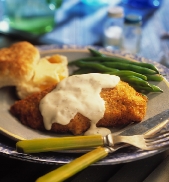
(123, 105)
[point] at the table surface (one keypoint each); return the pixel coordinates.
(85, 28)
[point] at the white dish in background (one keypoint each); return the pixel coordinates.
(13, 129)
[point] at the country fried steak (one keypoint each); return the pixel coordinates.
(123, 106)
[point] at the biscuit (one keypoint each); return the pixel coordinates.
(17, 62)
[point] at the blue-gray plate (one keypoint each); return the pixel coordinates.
(12, 130)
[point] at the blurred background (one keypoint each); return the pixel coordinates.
(138, 26)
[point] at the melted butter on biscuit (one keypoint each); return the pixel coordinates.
(48, 71)
(77, 94)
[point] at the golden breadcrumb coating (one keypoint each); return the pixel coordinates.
(123, 106)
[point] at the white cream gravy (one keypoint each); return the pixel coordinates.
(78, 93)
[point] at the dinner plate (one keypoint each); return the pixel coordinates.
(12, 130)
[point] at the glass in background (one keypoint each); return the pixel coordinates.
(113, 28)
(95, 2)
(33, 16)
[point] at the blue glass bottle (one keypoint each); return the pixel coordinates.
(132, 33)
(143, 3)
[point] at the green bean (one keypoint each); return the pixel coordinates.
(96, 66)
(115, 59)
(96, 53)
(88, 59)
(123, 73)
(103, 59)
(147, 65)
(156, 77)
(125, 66)
(135, 80)
(144, 89)
(120, 73)
(83, 71)
(156, 88)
